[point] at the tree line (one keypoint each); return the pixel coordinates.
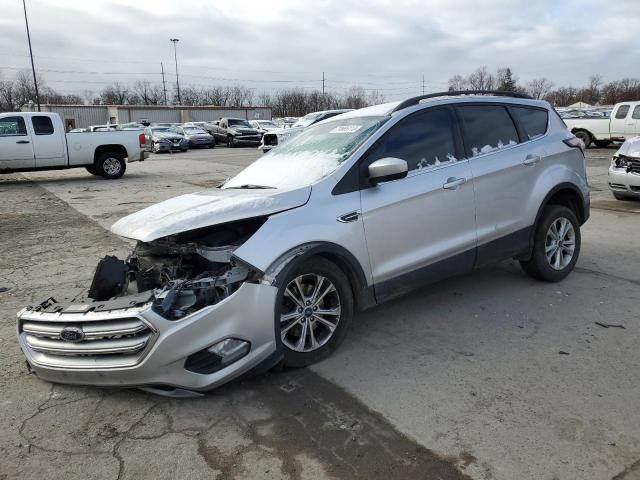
(595, 92)
(19, 91)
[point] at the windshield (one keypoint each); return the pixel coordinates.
(307, 120)
(194, 130)
(309, 156)
(233, 122)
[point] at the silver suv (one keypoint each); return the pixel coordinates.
(360, 208)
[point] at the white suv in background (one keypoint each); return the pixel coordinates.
(355, 210)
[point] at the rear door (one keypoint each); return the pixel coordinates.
(507, 165)
(48, 145)
(633, 123)
(619, 119)
(16, 149)
(422, 227)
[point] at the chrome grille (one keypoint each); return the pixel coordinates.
(634, 165)
(104, 342)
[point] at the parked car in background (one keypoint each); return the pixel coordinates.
(624, 172)
(103, 128)
(354, 211)
(131, 126)
(263, 126)
(285, 122)
(37, 141)
(164, 124)
(165, 139)
(206, 126)
(196, 136)
(235, 132)
(274, 138)
(622, 124)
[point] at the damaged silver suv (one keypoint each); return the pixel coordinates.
(358, 209)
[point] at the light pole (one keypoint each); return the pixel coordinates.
(33, 68)
(175, 55)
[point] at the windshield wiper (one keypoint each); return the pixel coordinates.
(251, 186)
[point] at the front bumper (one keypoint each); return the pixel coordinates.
(169, 147)
(624, 182)
(247, 315)
(252, 141)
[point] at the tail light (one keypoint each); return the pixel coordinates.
(575, 142)
(142, 139)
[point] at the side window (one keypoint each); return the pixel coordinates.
(486, 128)
(636, 113)
(42, 125)
(12, 127)
(622, 111)
(423, 139)
(532, 120)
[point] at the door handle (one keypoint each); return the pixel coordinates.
(453, 183)
(23, 141)
(531, 160)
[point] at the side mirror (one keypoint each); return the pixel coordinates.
(387, 169)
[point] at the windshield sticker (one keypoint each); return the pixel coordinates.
(346, 129)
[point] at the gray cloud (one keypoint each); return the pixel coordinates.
(274, 44)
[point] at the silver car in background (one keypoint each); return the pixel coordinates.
(355, 210)
(624, 172)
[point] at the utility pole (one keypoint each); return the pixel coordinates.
(423, 84)
(164, 85)
(175, 55)
(33, 68)
(324, 103)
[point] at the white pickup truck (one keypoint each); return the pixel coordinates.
(624, 123)
(37, 141)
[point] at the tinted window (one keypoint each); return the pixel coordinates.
(636, 113)
(622, 111)
(12, 126)
(486, 128)
(42, 125)
(532, 120)
(422, 139)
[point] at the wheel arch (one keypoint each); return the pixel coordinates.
(110, 148)
(363, 294)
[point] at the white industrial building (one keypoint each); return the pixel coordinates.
(79, 116)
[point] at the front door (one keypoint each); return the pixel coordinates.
(16, 149)
(619, 120)
(422, 227)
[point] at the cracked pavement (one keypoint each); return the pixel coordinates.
(460, 378)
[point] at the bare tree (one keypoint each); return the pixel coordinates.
(481, 79)
(115, 94)
(147, 93)
(539, 87)
(458, 83)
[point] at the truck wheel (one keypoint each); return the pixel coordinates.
(585, 137)
(92, 170)
(111, 165)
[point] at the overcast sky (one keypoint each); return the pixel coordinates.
(271, 44)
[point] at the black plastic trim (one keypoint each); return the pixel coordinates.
(410, 102)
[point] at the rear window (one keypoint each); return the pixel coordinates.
(42, 125)
(486, 128)
(636, 113)
(532, 120)
(622, 111)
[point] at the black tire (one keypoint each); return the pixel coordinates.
(585, 137)
(538, 266)
(602, 143)
(105, 166)
(92, 170)
(308, 268)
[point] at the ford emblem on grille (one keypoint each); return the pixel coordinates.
(72, 334)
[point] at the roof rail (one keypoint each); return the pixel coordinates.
(454, 93)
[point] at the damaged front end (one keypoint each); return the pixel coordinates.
(175, 312)
(185, 272)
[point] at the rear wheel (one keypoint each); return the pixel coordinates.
(556, 245)
(585, 137)
(315, 310)
(111, 165)
(92, 170)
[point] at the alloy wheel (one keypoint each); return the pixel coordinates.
(310, 312)
(560, 243)
(111, 166)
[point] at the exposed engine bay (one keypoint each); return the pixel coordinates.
(184, 272)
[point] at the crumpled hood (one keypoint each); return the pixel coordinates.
(204, 209)
(630, 148)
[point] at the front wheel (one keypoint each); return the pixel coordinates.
(556, 245)
(111, 165)
(315, 310)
